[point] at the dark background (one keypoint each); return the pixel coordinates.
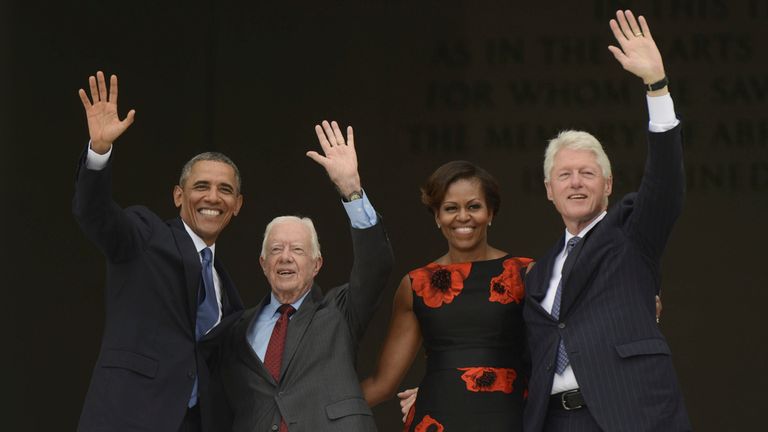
(422, 83)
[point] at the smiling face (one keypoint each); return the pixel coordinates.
(578, 188)
(208, 199)
(464, 216)
(288, 261)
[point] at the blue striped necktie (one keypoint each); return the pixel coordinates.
(561, 362)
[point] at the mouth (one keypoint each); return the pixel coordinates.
(209, 212)
(577, 197)
(286, 273)
(464, 230)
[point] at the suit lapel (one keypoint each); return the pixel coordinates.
(243, 346)
(537, 282)
(577, 270)
(299, 324)
(192, 266)
(230, 298)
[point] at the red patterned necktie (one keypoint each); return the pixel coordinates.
(273, 359)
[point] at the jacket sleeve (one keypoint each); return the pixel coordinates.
(119, 233)
(653, 210)
(372, 266)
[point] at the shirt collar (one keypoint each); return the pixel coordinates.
(199, 243)
(271, 308)
(582, 233)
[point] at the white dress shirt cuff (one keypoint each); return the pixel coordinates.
(95, 161)
(661, 112)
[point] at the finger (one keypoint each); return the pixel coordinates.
(129, 118)
(324, 144)
(619, 54)
(317, 157)
(620, 38)
(350, 137)
(93, 88)
(633, 24)
(102, 86)
(112, 89)
(84, 99)
(622, 20)
(644, 27)
(329, 133)
(337, 133)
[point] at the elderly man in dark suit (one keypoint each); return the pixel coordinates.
(289, 363)
(599, 360)
(166, 287)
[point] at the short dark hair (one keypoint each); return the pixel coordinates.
(434, 189)
(209, 156)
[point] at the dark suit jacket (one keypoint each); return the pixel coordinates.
(607, 320)
(319, 388)
(148, 358)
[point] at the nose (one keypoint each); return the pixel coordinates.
(575, 180)
(463, 215)
(285, 255)
(212, 195)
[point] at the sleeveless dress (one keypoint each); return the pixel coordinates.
(471, 320)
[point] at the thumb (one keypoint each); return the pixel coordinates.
(315, 156)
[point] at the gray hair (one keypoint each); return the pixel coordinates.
(575, 140)
(209, 156)
(307, 222)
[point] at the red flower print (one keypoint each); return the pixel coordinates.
(438, 284)
(428, 424)
(487, 379)
(409, 419)
(508, 287)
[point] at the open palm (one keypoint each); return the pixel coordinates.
(104, 125)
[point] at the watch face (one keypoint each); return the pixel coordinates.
(356, 195)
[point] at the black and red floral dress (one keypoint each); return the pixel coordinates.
(471, 318)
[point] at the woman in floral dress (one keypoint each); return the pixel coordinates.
(466, 308)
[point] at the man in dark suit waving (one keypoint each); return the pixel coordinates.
(166, 287)
(599, 360)
(289, 363)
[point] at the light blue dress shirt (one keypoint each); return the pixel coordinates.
(361, 216)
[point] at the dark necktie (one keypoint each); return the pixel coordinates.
(273, 359)
(561, 362)
(207, 305)
(207, 308)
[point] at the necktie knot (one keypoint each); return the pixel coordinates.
(286, 309)
(206, 255)
(571, 244)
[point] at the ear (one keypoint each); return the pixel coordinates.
(318, 266)
(548, 187)
(178, 194)
(238, 205)
(608, 186)
(263, 264)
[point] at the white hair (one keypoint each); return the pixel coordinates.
(307, 222)
(575, 140)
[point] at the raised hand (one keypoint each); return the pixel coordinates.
(340, 158)
(638, 53)
(104, 126)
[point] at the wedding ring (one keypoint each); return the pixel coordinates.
(639, 34)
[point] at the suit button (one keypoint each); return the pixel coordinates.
(561, 325)
(275, 427)
(191, 374)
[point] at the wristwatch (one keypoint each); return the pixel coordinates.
(355, 195)
(658, 85)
